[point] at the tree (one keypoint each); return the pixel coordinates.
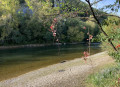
(111, 39)
(8, 17)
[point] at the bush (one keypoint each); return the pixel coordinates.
(112, 27)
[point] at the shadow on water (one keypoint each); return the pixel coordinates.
(14, 62)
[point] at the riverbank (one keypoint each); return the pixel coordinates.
(68, 74)
(41, 45)
(23, 46)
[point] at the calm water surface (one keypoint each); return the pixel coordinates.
(14, 62)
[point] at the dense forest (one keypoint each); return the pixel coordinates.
(29, 21)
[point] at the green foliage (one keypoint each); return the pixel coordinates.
(8, 18)
(106, 78)
(75, 35)
(29, 22)
(41, 9)
(72, 30)
(112, 27)
(22, 27)
(96, 39)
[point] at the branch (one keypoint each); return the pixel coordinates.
(96, 2)
(99, 24)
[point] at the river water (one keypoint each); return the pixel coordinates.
(14, 62)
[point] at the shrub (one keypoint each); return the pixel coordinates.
(112, 27)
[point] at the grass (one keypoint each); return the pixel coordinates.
(107, 77)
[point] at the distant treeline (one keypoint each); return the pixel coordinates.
(26, 22)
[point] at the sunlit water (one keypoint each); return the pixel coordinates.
(14, 62)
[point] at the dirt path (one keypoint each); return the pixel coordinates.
(69, 74)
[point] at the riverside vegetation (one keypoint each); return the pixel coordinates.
(26, 22)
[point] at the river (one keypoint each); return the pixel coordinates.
(14, 62)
